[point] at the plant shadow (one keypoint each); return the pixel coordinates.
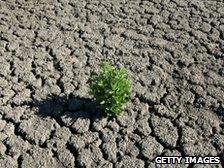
(68, 106)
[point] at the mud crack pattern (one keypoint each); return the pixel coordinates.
(48, 51)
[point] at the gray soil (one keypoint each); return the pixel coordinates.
(173, 50)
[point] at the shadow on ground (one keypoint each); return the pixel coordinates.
(70, 106)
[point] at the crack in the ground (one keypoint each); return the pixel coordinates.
(221, 155)
(16, 130)
(19, 161)
(105, 156)
(7, 147)
(55, 155)
(173, 122)
(154, 135)
(57, 67)
(60, 84)
(191, 165)
(180, 135)
(74, 152)
(152, 109)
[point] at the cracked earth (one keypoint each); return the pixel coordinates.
(173, 50)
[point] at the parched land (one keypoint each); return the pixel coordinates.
(174, 53)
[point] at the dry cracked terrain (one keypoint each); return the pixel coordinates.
(173, 50)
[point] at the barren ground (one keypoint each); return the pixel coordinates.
(173, 50)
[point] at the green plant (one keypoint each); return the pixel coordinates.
(110, 88)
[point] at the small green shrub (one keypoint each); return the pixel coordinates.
(110, 88)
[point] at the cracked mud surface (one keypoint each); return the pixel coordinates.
(174, 51)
